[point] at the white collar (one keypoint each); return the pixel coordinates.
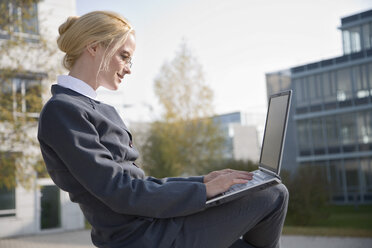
(77, 85)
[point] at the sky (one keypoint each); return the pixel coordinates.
(235, 41)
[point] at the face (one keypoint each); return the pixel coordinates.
(118, 66)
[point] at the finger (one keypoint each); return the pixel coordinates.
(241, 171)
(239, 181)
(227, 171)
(243, 175)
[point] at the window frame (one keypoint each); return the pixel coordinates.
(16, 29)
(23, 80)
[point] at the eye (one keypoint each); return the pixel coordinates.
(125, 58)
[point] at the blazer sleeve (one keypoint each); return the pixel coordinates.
(66, 129)
(199, 179)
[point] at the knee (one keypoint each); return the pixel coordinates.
(282, 193)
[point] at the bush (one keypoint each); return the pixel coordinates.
(245, 165)
(308, 195)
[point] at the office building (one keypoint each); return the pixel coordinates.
(331, 117)
(242, 134)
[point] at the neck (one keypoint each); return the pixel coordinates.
(85, 70)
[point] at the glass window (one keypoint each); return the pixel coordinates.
(303, 137)
(364, 77)
(7, 194)
(317, 136)
(305, 91)
(312, 87)
(364, 127)
(367, 75)
(298, 92)
(7, 202)
(367, 36)
(346, 41)
(319, 87)
(357, 77)
(348, 132)
(5, 18)
(33, 96)
(360, 82)
(18, 94)
(329, 87)
(355, 39)
(50, 207)
(6, 96)
(302, 92)
(315, 88)
(20, 17)
(28, 16)
(21, 95)
(15, 17)
(344, 88)
(332, 134)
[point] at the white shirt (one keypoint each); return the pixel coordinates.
(76, 85)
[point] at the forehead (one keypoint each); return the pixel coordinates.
(128, 46)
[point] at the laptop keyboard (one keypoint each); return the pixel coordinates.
(258, 177)
(261, 175)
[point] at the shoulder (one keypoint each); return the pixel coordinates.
(62, 103)
(61, 115)
(62, 111)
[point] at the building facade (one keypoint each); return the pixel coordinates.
(331, 117)
(241, 134)
(42, 207)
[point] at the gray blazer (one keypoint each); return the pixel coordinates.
(88, 152)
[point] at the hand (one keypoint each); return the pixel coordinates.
(214, 174)
(222, 181)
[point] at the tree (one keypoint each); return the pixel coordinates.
(26, 61)
(185, 140)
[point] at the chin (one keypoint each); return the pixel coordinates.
(111, 86)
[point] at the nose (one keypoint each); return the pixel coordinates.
(127, 69)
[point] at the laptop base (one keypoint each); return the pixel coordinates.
(221, 199)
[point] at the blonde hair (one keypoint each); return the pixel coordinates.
(105, 28)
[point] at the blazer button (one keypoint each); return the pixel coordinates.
(130, 144)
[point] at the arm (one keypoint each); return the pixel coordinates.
(199, 179)
(68, 132)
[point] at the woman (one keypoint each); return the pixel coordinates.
(89, 153)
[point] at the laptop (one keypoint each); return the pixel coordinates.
(271, 151)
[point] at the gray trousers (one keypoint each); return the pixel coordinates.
(255, 220)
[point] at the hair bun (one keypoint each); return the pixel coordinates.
(63, 28)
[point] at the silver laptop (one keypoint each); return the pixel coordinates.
(271, 151)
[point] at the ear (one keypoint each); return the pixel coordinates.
(92, 49)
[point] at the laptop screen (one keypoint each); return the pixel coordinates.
(273, 140)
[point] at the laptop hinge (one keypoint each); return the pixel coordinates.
(269, 172)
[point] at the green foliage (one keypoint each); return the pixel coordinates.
(185, 140)
(308, 195)
(342, 220)
(244, 165)
(25, 55)
(177, 148)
